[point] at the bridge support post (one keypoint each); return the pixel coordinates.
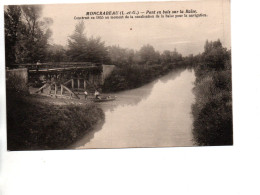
(85, 84)
(49, 88)
(78, 83)
(55, 92)
(72, 83)
(61, 90)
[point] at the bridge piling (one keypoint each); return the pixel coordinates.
(55, 90)
(85, 84)
(78, 84)
(72, 83)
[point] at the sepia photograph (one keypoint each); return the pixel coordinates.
(118, 75)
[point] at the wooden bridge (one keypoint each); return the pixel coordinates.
(66, 79)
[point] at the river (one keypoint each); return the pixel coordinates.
(155, 115)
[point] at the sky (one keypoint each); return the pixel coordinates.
(187, 35)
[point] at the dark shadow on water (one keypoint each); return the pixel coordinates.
(89, 136)
(133, 96)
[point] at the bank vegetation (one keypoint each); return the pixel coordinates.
(39, 125)
(36, 125)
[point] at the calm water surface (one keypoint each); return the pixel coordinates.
(155, 115)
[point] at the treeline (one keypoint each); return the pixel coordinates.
(130, 77)
(145, 56)
(212, 110)
(28, 40)
(136, 68)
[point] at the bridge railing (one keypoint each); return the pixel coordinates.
(50, 65)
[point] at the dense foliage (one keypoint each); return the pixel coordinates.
(28, 40)
(26, 35)
(212, 110)
(40, 125)
(130, 77)
(83, 49)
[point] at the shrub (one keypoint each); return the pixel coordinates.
(36, 125)
(212, 110)
(129, 77)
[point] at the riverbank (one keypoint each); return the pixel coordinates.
(154, 115)
(131, 77)
(212, 110)
(42, 123)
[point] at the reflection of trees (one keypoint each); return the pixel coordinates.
(89, 136)
(174, 74)
(126, 98)
(134, 96)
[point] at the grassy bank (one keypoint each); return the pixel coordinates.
(130, 77)
(35, 125)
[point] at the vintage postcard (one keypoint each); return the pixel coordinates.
(118, 75)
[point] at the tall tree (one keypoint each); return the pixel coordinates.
(26, 35)
(12, 17)
(148, 54)
(83, 49)
(77, 43)
(214, 55)
(35, 35)
(96, 50)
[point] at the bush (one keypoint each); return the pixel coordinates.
(213, 124)
(16, 85)
(212, 110)
(36, 125)
(130, 77)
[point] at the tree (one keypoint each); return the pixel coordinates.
(77, 43)
(12, 17)
(212, 110)
(83, 49)
(121, 56)
(214, 55)
(56, 53)
(26, 35)
(148, 54)
(96, 50)
(166, 56)
(175, 56)
(34, 36)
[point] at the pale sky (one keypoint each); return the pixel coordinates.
(187, 35)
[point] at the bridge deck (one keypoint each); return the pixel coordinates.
(57, 69)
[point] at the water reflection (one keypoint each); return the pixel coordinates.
(134, 96)
(154, 115)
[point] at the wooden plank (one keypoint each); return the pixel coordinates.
(67, 82)
(70, 91)
(56, 64)
(40, 89)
